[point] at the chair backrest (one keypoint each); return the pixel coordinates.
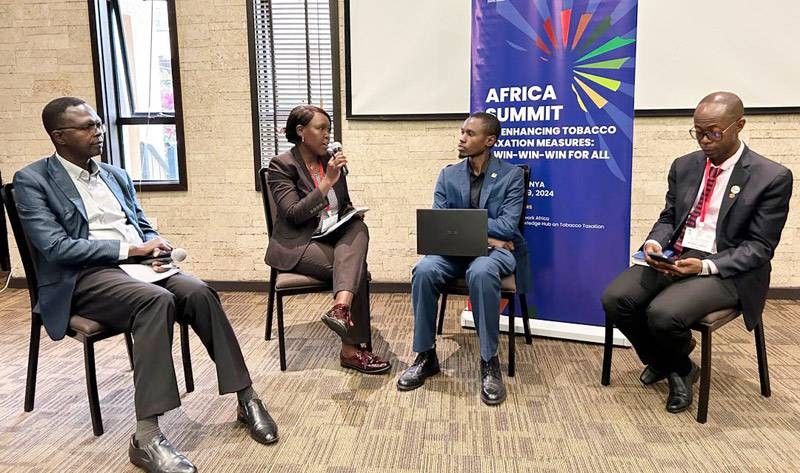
(5, 259)
(266, 198)
(526, 171)
(27, 252)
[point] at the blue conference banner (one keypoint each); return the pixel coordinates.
(559, 75)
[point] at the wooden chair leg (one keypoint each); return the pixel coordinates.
(33, 363)
(511, 336)
(270, 305)
(186, 357)
(442, 307)
(281, 339)
(608, 351)
(705, 376)
(91, 387)
(523, 302)
(761, 353)
(129, 348)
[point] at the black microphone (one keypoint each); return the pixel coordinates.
(334, 148)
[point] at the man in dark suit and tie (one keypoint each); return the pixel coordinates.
(83, 218)
(725, 210)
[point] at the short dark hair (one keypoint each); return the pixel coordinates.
(490, 121)
(301, 115)
(53, 111)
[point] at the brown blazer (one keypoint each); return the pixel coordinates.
(296, 205)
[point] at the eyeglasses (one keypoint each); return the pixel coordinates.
(711, 135)
(92, 127)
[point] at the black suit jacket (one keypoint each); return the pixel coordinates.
(298, 204)
(749, 225)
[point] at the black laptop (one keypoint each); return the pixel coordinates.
(452, 232)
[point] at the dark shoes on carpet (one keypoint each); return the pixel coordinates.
(651, 374)
(493, 391)
(365, 362)
(159, 456)
(255, 417)
(680, 390)
(426, 365)
(338, 319)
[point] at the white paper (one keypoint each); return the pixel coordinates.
(342, 221)
(146, 273)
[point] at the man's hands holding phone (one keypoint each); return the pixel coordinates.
(662, 264)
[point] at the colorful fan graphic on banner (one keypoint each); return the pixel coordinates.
(586, 43)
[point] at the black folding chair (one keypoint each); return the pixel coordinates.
(508, 291)
(706, 327)
(286, 283)
(82, 329)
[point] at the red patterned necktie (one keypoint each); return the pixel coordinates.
(691, 221)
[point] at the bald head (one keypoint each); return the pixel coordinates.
(718, 119)
(724, 104)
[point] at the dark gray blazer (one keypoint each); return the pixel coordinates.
(54, 218)
(297, 204)
(749, 225)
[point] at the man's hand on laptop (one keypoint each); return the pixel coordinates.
(495, 243)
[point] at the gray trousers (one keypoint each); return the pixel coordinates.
(109, 296)
(656, 312)
(342, 258)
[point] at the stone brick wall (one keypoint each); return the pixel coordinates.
(45, 52)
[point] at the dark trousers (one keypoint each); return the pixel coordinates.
(656, 312)
(149, 310)
(342, 258)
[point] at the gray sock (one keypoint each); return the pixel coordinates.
(146, 430)
(246, 394)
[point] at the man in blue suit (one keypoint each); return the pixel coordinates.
(480, 182)
(83, 219)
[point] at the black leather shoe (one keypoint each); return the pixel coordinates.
(159, 456)
(680, 390)
(651, 375)
(255, 417)
(426, 364)
(493, 391)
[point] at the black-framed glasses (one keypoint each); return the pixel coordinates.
(94, 126)
(711, 135)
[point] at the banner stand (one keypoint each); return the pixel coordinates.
(552, 329)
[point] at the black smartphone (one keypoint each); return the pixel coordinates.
(660, 258)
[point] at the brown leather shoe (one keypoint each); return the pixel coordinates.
(338, 319)
(365, 362)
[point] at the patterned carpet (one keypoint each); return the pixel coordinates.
(557, 416)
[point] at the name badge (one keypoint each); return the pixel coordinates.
(698, 239)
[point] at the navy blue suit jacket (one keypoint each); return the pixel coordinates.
(54, 219)
(502, 195)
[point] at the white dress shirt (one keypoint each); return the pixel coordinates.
(714, 205)
(107, 220)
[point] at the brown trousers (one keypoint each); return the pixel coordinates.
(342, 258)
(111, 297)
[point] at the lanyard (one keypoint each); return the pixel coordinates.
(314, 178)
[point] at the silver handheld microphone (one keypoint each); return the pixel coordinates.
(176, 256)
(334, 148)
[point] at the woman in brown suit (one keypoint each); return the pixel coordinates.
(310, 194)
